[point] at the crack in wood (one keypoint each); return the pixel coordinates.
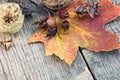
(80, 49)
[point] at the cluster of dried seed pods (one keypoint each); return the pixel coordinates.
(64, 14)
(49, 23)
(88, 9)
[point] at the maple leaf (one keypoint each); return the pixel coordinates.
(85, 32)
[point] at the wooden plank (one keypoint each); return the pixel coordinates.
(3, 75)
(105, 65)
(25, 61)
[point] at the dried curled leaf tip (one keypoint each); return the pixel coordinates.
(11, 18)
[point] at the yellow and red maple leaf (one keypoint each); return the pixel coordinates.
(85, 32)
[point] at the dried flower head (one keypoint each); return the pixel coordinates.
(88, 9)
(11, 18)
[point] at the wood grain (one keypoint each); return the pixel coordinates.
(25, 61)
(105, 65)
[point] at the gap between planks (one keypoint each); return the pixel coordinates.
(80, 49)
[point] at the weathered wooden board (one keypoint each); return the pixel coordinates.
(25, 61)
(105, 65)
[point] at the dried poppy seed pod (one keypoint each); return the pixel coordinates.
(11, 18)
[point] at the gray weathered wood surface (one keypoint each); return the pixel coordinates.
(25, 61)
(105, 65)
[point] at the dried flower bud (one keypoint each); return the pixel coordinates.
(11, 18)
(52, 31)
(65, 25)
(63, 14)
(51, 21)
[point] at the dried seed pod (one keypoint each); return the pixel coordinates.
(63, 14)
(52, 32)
(51, 21)
(65, 25)
(11, 18)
